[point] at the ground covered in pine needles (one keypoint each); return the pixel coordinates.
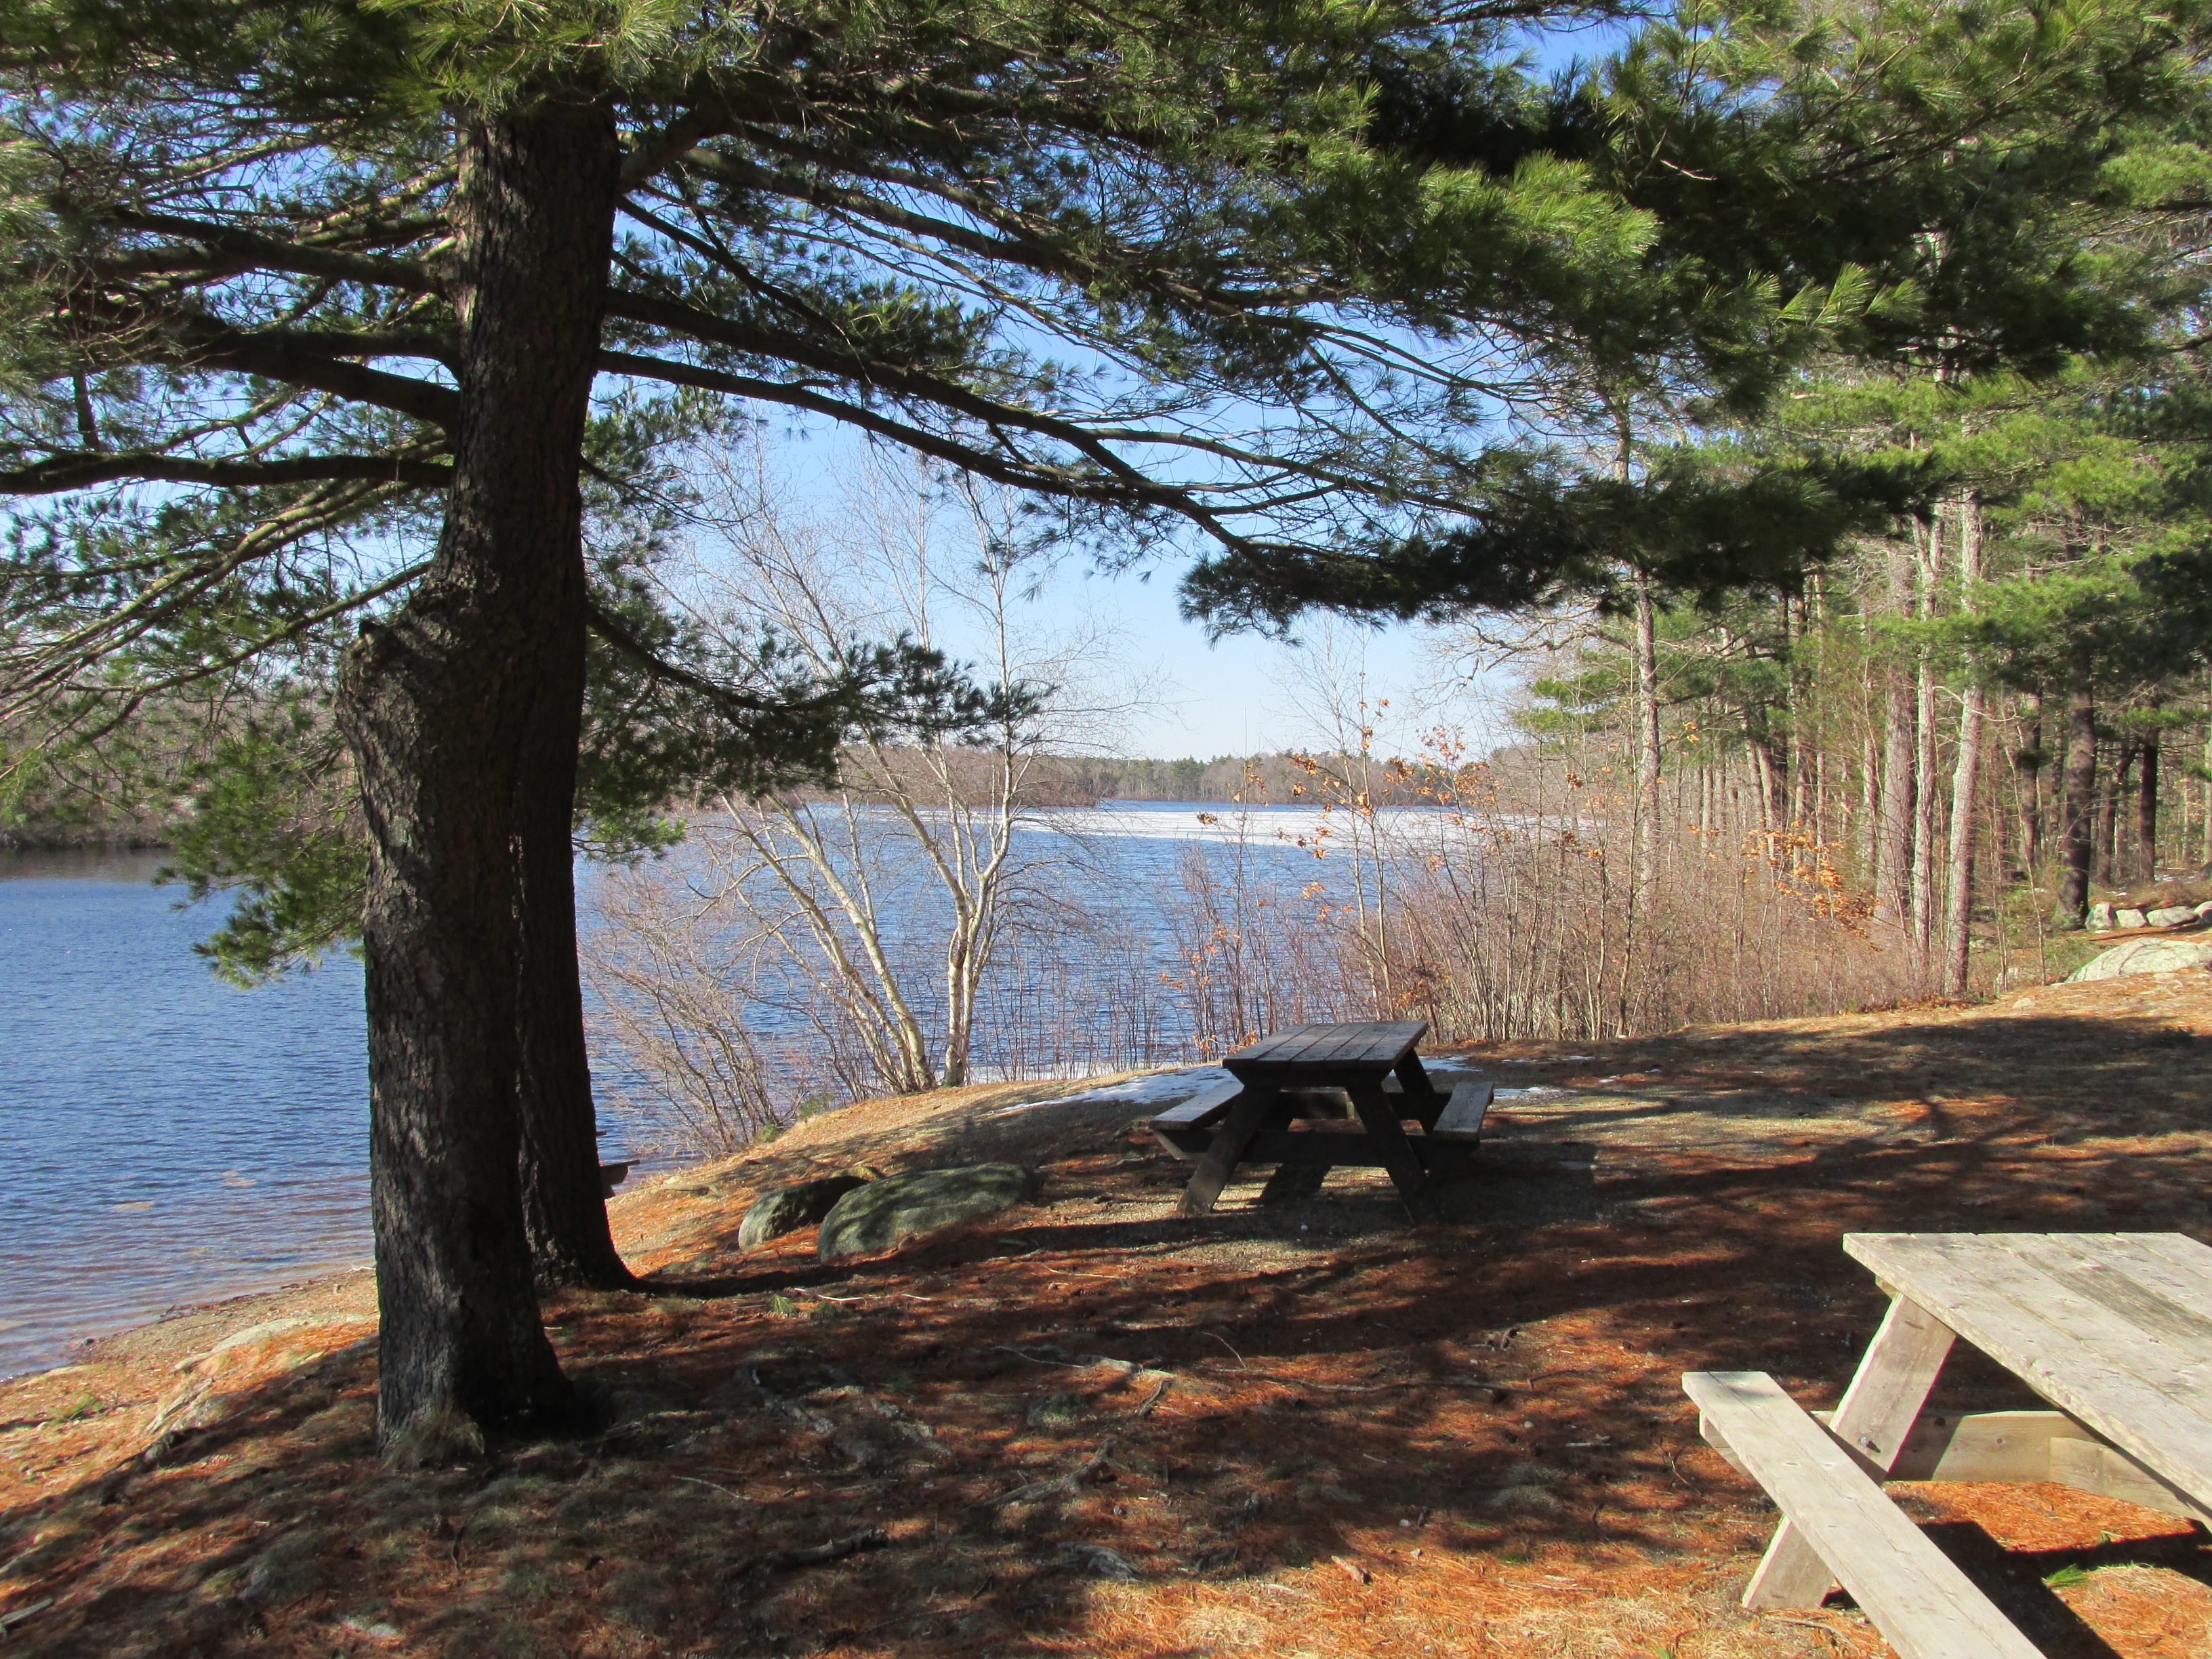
(1087, 1428)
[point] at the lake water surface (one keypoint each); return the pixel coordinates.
(168, 1138)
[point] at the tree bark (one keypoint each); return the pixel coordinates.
(2077, 808)
(564, 1206)
(1894, 815)
(438, 705)
(1925, 796)
(2030, 797)
(2146, 811)
(1647, 745)
(1966, 773)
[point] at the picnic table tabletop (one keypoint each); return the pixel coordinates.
(1309, 1053)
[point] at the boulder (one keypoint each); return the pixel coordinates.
(781, 1210)
(2145, 956)
(2101, 918)
(2127, 918)
(2204, 911)
(2172, 916)
(887, 1213)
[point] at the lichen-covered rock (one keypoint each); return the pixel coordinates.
(2100, 917)
(887, 1213)
(2128, 917)
(781, 1210)
(2173, 915)
(2145, 956)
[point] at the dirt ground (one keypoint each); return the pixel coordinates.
(1089, 1428)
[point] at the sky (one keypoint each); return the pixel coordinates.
(1149, 682)
(1237, 696)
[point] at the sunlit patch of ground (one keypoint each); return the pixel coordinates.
(1089, 1428)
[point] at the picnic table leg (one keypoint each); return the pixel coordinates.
(1388, 1137)
(1219, 1162)
(1415, 1075)
(1877, 1412)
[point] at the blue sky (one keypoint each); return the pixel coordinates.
(1176, 692)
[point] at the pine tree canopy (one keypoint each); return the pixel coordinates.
(1043, 244)
(1948, 191)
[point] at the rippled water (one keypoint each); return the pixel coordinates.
(168, 1138)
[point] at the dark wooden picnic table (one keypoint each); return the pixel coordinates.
(1316, 1097)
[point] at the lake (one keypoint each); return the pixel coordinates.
(172, 1140)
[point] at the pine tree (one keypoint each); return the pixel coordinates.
(293, 289)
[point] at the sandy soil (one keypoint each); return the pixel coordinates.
(1088, 1427)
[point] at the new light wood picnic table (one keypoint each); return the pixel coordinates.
(2113, 1329)
(1287, 1106)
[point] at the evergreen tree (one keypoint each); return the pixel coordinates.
(294, 288)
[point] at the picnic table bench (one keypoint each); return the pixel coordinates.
(1317, 1097)
(2114, 1329)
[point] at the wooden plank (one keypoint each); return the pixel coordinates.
(1392, 1041)
(1273, 1040)
(1395, 1153)
(2093, 1268)
(2091, 1466)
(1186, 1130)
(1202, 1108)
(1329, 1053)
(1414, 1077)
(1320, 1043)
(1274, 1054)
(1461, 1117)
(2144, 1391)
(1996, 1446)
(1981, 1445)
(1877, 1412)
(1341, 1042)
(1220, 1159)
(2182, 1280)
(1385, 1043)
(2179, 1251)
(1915, 1596)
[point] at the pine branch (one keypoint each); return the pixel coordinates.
(77, 472)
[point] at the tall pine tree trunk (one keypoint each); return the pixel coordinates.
(1893, 813)
(1926, 797)
(2031, 795)
(2077, 808)
(1647, 747)
(1966, 773)
(564, 1206)
(2146, 811)
(439, 706)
